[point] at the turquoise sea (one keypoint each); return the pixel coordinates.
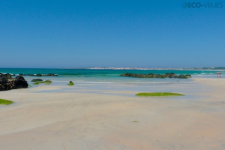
(102, 72)
(96, 75)
(100, 81)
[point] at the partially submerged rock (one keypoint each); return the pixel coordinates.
(50, 74)
(35, 80)
(8, 83)
(7, 75)
(38, 75)
(151, 75)
(47, 82)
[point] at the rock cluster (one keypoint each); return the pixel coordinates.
(151, 75)
(8, 83)
(50, 74)
(21, 74)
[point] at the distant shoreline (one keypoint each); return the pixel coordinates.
(115, 68)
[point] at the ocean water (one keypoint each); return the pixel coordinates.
(109, 76)
(107, 81)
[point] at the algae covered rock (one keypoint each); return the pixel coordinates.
(47, 82)
(71, 83)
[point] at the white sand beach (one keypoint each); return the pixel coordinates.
(113, 121)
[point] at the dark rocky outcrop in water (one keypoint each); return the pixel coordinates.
(38, 75)
(7, 75)
(151, 75)
(35, 80)
(8, 83)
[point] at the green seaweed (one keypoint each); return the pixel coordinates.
(5, 102)
(71, 83)
(47, 82)
(36, 83)
(159, 94)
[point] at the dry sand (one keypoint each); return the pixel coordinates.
(58, 121)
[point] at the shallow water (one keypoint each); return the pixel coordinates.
(110, 81)
(125, 88)
(108, 76)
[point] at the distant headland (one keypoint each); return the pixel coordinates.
(137, 68)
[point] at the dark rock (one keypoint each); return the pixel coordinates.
(151, 75)
(21, 74)
(7, 75)
(35, 80)
(20, 82)
(188, 75)
(182, 77)
(10, 83)
(51, 74)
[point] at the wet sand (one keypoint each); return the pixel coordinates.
(100, 120)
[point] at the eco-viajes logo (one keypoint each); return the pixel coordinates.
(203, 5)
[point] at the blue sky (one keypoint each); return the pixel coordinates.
(119, 33)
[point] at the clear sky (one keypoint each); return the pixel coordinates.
(110, 33)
